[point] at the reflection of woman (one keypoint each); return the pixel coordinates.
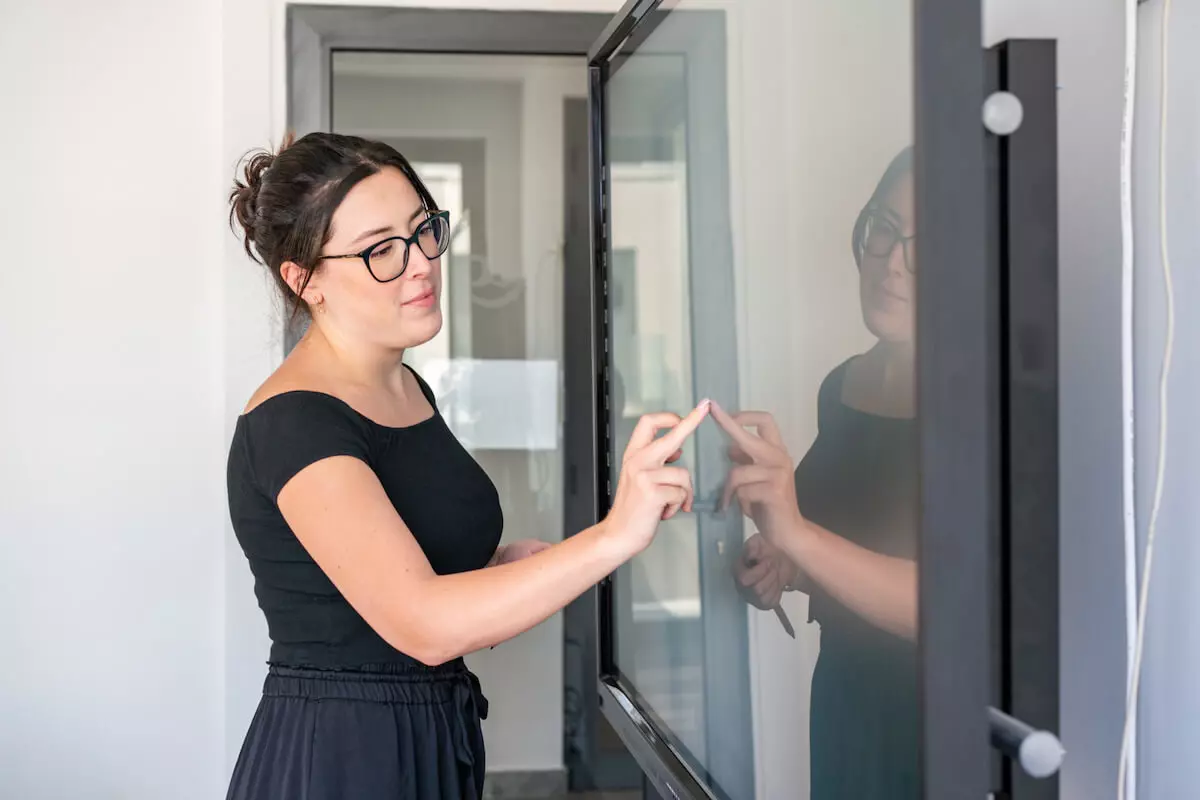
(372, 534)
(843, 528)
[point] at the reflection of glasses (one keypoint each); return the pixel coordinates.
(386, 260)
(880, 236)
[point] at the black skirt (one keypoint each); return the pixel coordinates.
(402, 731)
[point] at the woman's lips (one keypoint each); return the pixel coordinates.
(888, 294)
(423, 300)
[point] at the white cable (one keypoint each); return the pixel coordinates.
(1164, 383)
(1129, 520)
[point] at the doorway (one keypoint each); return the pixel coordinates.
(490, 107)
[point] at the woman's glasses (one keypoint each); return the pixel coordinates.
(387, 259)
(879, 238)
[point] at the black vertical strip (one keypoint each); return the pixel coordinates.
(600, 355)
(956, 367)
(581, 656)
(1031, 389)
(998, 544)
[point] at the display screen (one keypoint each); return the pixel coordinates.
(762, 254)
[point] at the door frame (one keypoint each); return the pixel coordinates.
(314, 34)
(958, 396)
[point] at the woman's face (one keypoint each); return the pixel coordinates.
(401, 313)
(887, 285)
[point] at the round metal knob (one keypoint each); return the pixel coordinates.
(1003, 113)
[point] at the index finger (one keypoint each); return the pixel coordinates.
(647, 427)
(673, 440)
(754, 446)
(763, 422)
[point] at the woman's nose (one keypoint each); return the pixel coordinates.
(895, 260)
(418, 265)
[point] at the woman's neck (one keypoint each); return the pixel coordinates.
(368, 368)
(884, 381)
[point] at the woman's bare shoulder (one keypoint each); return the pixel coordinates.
(293, 375)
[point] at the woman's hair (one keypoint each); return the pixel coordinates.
(285, 201)
(901, 165)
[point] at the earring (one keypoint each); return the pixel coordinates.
(320, 305)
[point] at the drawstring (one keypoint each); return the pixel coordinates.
(472, 705)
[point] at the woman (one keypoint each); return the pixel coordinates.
(842, 528)
(371, 532)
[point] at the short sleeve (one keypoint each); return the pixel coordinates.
(291, 431)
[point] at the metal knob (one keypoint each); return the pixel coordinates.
(1039, 753)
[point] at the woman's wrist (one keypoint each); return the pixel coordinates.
(798, 543)
(611, 544)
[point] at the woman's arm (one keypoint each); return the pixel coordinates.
(515, 551)
(341, 514)
(880, 589)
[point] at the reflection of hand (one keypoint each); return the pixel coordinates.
(763, 572)
(762, 482)
(648, 491)
(515, 551)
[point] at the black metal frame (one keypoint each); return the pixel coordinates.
(634, 722)
(957, 361)
(958, 371)
(1024, 166)
(316, 32)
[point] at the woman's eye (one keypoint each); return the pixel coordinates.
(382, 250)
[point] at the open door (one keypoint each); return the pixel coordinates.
(792, 215)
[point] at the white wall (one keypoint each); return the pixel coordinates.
(112, 501)
(1169, 724)
(136, 329)
(1092, 573)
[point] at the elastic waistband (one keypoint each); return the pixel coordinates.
(388, 683)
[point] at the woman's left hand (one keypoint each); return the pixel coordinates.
(515, 551)
(762, 480)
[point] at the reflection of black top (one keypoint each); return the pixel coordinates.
(443, 495)
(859, 480)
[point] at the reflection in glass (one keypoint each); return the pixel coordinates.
(802, 329)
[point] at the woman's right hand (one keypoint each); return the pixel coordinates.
(649, 491)
(763, 572)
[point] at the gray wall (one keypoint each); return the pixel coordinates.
(1090, 37)
(1169, 725)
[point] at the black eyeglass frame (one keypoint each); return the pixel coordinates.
(409, 241)
(875, 211)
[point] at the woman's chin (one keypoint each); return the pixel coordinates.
(414, 332)
(888, 326)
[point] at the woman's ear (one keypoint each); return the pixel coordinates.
(299, 279)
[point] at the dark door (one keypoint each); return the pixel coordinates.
(790, 216)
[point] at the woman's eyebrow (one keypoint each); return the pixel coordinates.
(893, 216)
(371, 233)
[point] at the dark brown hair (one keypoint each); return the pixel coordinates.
(285, 201)
(901, 165)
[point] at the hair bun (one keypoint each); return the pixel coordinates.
(244, 197)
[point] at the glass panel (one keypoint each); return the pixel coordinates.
(763, 255)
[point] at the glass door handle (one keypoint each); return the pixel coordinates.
(1039, 753)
